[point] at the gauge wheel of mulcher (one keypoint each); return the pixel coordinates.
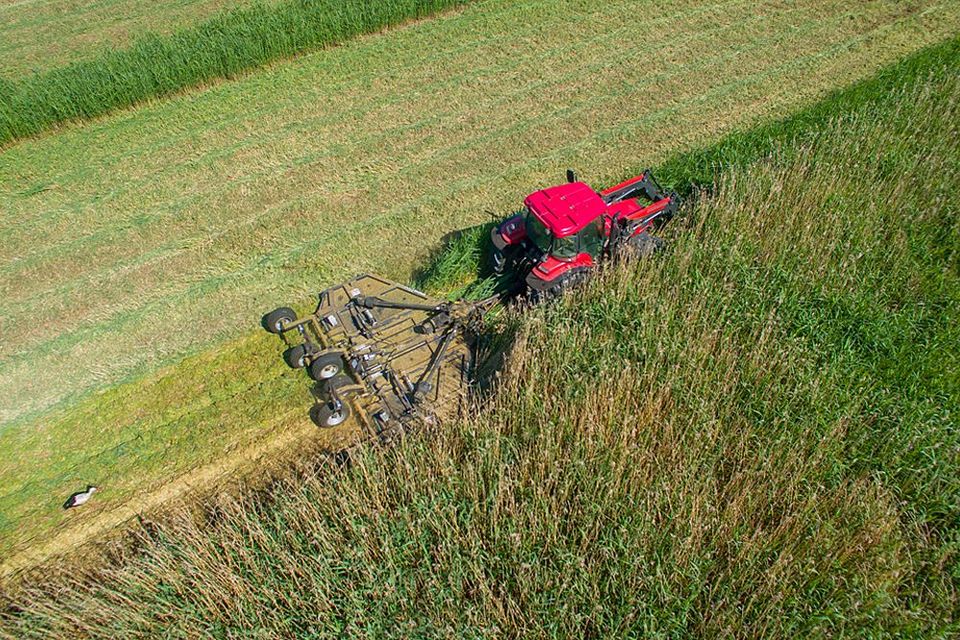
(326, 366)
(274, 321)
(327, 416)
(296, 356)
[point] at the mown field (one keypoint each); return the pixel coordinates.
(753, 435)
(222, 46)
(134, 240)
(39, 35)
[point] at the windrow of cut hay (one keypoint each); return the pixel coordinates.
(753, 435)
(219, 47)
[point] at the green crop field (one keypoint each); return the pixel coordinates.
(753, 435)
(39, 35)
(135, 240)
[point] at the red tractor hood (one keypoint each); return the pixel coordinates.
(566, 209)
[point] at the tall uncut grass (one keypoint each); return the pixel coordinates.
(219, 47)
(754, 435)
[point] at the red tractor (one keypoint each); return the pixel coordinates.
(563, 232)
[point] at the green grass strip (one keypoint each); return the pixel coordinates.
(221, 47)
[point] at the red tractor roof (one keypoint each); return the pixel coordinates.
(567, 208)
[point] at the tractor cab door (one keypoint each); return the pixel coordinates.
(591, 238)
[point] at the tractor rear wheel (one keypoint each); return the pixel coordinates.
(326, 415)
(276, 319)
(296, 356)
(326, 366)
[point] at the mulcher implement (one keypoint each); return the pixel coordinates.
(383, 357)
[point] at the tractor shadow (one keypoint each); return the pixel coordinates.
(460, 266)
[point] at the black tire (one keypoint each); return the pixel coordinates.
(326, 366)
(537, 296)
(274, 321)
(556, 289)
(296, 356)
(326, 416)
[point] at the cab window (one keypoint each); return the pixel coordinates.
(591, 238)
(566, 248)
(538, 233)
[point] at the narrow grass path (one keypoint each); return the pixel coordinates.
(168, 229)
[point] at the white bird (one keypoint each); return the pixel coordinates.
(80, 497)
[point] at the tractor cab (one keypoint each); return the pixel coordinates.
(566, 221)
(563, 232)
